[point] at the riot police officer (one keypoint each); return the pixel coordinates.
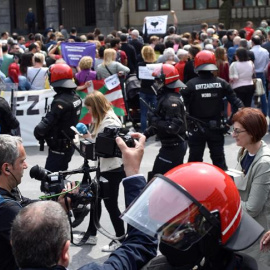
(203, 98)
(168, 121)
(196, 211)
(65, 111)
(7, 120)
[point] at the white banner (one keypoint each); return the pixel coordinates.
(156, 24)
(30, 108)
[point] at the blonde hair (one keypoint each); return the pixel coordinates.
(86, 62)
(109, 56)
(148, 54)
(99, 105)
(39, 57)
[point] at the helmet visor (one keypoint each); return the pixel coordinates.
(165, 209)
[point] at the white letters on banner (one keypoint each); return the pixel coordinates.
(156, 24)
(30, 108)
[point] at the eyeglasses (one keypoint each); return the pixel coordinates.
(237, 131)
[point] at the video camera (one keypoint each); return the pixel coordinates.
(54, 183)
(105, 145)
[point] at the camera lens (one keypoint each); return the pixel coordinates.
(38, 173)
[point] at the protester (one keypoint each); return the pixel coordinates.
(110, 66)
(249, 126)
(183, 58)
(146, 91)
(241, 74)
(37, 74)
(85, 74)
(15, 77)
(261, 62)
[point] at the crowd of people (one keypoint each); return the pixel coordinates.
(185, 104)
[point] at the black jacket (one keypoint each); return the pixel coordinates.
(204, 95)
(65, 112)
(168, 120)
(131, 56)
(238, 261)
(10, 205)
(7, 120)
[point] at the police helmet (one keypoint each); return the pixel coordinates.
(169, 75)
(60, 75)
(182, 213)
(205, 61)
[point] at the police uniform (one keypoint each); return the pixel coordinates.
(7, 120)
(203, 98)
(65, 112)
(168, 122)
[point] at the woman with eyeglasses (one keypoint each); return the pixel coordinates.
(249, 126)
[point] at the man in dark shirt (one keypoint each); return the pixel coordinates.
(12, 166)
(30, 21)
(135, 42)
(73, 35)
(130, 52)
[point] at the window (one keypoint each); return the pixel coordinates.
(200, 4)
(249, 3)
(152, 5)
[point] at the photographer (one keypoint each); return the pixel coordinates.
(47, 221)
(12, 165)
(65, 112)
(110, 168)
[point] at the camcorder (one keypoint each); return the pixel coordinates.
(54, 183)
(105, 145)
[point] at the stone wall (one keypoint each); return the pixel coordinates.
(4, 16)
(51, 13)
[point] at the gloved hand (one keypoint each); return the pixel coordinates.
(82, 128)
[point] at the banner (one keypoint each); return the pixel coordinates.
(156, 24)
(30, 108)
(114, 95)
(32, 105)
(72, 52)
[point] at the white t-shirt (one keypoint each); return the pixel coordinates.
(37, 77)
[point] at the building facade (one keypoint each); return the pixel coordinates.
(113, 14)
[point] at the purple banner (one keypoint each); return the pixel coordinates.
(72, 52)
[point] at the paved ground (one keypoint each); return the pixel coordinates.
(84, 254)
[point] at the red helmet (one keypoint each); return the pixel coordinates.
(205, 60)
(169, 75)
(190, 201)
(60, 75)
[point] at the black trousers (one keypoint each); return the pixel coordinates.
(114, 178)
(215, 140)
(169, 156)
(245, 93)
(57, 161)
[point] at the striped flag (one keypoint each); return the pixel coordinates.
(114, 96)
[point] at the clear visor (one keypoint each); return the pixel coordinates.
(163, 210)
